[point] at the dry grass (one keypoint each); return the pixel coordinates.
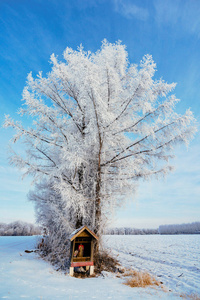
(129, 272)
(140, 279)
(191, 296)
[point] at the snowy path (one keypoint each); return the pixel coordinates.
(175, 259)
(25, 276)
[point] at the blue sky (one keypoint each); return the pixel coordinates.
(30, 31)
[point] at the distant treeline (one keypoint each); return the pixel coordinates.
(189, 228)
(130, 231)
(19, 228)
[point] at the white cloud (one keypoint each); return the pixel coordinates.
(130, 10)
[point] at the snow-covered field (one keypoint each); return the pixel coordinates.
(174, 259)
(24, 275)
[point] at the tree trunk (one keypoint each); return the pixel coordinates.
(97, 207)
(79, 221)
(97, 229)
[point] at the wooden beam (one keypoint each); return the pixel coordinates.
(82, 264)
(73, 247)
(91, 270)
(71, 271)
(92, 250)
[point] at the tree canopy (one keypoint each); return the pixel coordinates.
(100, 123)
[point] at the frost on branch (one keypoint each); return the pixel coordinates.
(99, 125)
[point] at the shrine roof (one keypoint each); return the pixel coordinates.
(78, 231)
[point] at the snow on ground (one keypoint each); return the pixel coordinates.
(24, 275)
(173, 259)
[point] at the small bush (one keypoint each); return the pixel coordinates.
(105, 262)
(140, 279)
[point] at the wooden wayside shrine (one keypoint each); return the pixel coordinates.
(82, 249)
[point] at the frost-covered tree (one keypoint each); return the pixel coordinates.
(19, 228)
(99, 125)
